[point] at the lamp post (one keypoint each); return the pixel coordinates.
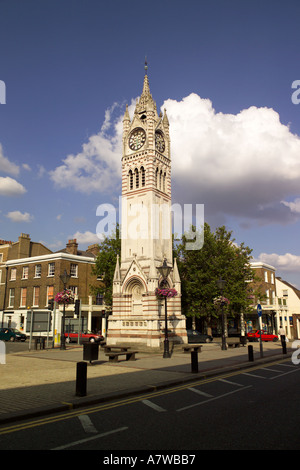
(165, 270)
(221, 284)
(64, 278)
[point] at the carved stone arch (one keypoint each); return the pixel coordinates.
(135, 288)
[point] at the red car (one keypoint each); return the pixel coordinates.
(84, 337)
(254, 336)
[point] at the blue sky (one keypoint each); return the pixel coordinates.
(223, 70)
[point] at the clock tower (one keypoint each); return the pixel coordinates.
(138, 316)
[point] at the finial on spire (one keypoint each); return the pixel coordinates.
(146, 65)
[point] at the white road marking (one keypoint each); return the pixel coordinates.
(204, 394)
(87, 424)
(231, 383)
(153, 405)
(254, 375)
(82, 441)
(213, 399)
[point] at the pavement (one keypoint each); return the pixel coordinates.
(39, 382)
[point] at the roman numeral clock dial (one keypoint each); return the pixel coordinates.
(137, 139)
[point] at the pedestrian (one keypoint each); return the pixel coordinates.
(281, 332)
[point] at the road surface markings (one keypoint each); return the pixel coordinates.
(87, 424)
(213, 399)
(272, 370)
(87, 439)
(254, 375)
(231, 383)
(153, 405)
(284, 373)
(195, 390)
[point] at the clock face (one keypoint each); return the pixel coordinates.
(137, 139)
(159, 142)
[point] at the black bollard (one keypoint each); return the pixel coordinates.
(194, 359)
(250, 353)
(284, 347)
(81, 376)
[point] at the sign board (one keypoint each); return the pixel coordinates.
(40, 321)
(259, 310)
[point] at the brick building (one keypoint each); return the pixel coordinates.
(30, 277)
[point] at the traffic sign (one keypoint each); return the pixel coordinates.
(259, 310)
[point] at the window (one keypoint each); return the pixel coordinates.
(74, 270)
(50, 293)
(51, 269)
(272, 278)
(11, 299)
(74, 290)
(130, 179)
(36, 296)
(143, 176)
(266, 276)
(13, 274)
(136, 178)
(268, 297)
(23, 297)
(1, 257)
(38, 270)
(25, 272)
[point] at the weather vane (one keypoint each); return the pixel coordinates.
(146, 64)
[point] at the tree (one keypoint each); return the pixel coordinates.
(106, 263)
(220, 257)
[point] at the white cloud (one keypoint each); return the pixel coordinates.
(286, 262)
(97, 168)
(86, 238)
(294, 206)
(17, 216)
(6, 166)
(244, 165)
(10, 187)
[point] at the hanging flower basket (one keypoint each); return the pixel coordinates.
(64, 297)
(162, 293)
(218, 301)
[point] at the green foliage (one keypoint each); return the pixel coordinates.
(106, 263)
(220, 257)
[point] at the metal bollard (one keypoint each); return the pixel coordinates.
(194, 360)
(284, 347)
(81, 377)
(250, 353)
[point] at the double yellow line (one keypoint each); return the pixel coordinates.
(126, 401)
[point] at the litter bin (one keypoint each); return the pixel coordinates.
(90, 352)
(243, 340)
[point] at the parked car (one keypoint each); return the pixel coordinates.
(265, 336)
(11, 334)
(84, 337)
(195, 336)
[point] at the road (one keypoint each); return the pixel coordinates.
(253, 409)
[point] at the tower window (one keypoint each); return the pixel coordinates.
(143, 176)
(136, 178)
(130, 179)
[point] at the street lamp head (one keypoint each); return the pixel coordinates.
(164, 270)
(65, 277)
(221, 283)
